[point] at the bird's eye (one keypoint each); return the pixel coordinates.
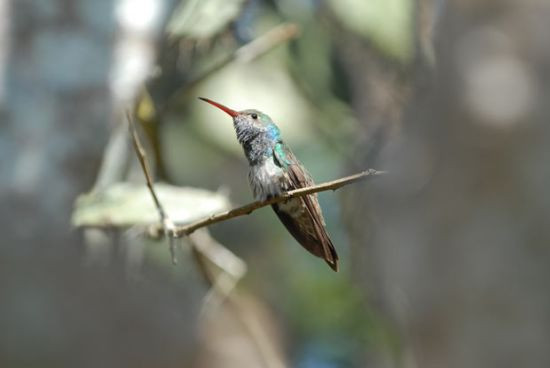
(254, 116)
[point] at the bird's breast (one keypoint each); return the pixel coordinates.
(266, 179)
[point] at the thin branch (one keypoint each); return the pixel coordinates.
(179, 231)
(168, 225)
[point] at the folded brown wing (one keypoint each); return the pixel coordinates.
(308, 229)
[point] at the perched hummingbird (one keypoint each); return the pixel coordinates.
(273, 170)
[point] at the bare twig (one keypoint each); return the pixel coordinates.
(168, 225)
(249, 208)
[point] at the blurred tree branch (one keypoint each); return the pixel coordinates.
(207, 250)
(246, 53)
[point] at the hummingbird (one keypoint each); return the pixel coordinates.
(273, 170)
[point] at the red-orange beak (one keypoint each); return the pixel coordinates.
(229, 111)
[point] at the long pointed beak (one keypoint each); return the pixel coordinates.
(229, 111)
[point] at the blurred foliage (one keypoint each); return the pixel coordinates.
(201, 19)
(387, 23)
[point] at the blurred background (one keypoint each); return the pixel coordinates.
(444, 261)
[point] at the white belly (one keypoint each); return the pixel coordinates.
(266, 179)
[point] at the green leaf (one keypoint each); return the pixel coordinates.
(126, 204)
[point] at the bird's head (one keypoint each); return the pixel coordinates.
(250, 124)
